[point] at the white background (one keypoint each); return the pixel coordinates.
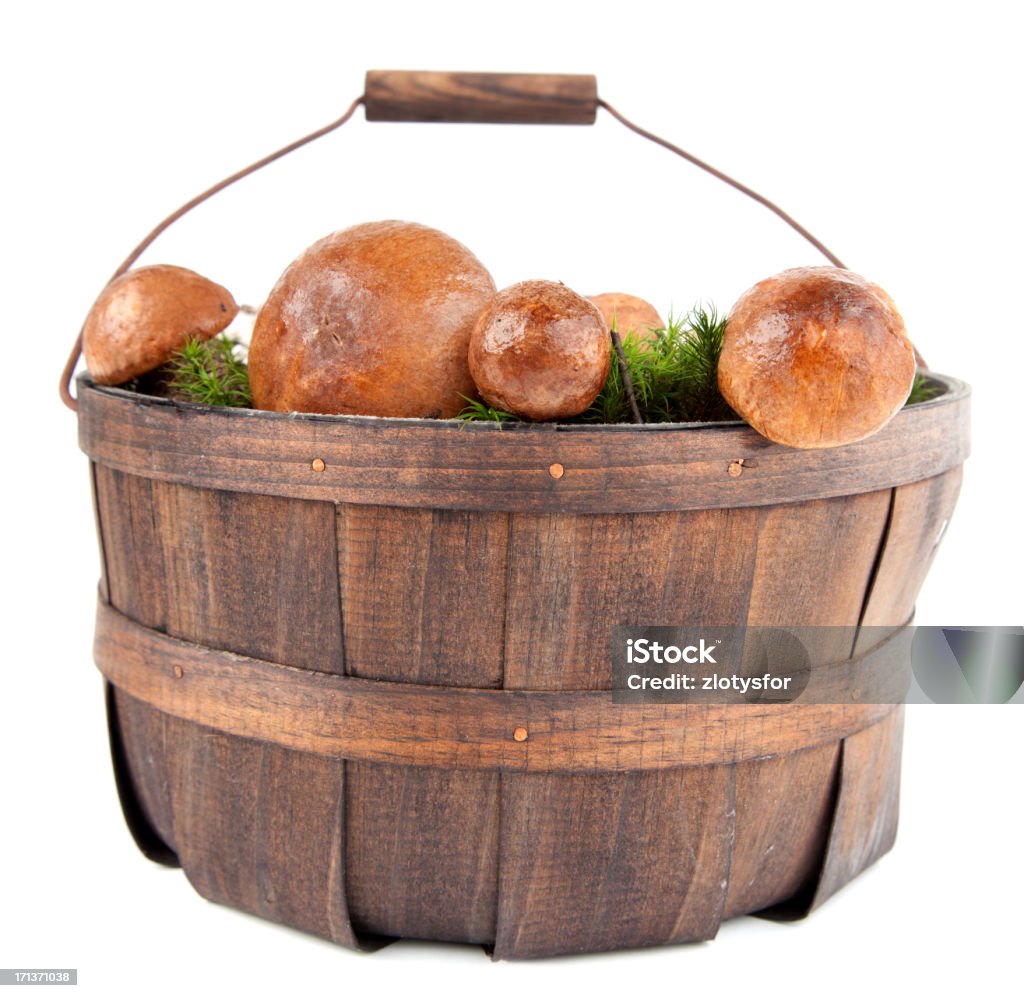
(891, 130)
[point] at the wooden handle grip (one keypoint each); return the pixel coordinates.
(485, 98)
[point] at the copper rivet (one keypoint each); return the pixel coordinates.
(178, 672)
(736, 468)
(556, 471)
(318, 464)
(520, 734)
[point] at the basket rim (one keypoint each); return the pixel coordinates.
(447, 464)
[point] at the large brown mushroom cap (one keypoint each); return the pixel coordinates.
(373, 320)
(145, 316)
(632, 315)
(540, 351)
(816, 357)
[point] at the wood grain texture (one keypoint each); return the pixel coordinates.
(255, 826)
(422, 851)
(423, 594)
(260, 828)
(250, 574)
(490, 98)
(441, 464)
(104, 589)
(623, 858)
(137, 767)
(452, 727)
(920, 514)
(814, 567)
(783, 809)
(814, 561)
(613, 861)
(867, 807)
(573, 578)
(139, 755)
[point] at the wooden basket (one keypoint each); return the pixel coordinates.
(358, 668)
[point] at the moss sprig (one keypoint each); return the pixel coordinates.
(923, 389)
(700, 345)
(674, 375)
(208, 372)
(479, 412)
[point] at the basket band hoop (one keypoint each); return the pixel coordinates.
(453, 727)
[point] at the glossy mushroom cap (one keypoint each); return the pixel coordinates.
(632, 315)
(373, 320)
(540, 351)
(145, 316)
(816, 357)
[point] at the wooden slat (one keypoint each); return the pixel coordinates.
(611, 861)
(260, 828)
(133, 548)
(814, 560)
(133, 726)
(814, 565)
(783, 809)
(920, 514)
(422, 851)
(104, 589)
(138, 748)
(609, 856)
(133, 558)
(813, 568)
(423, 595)
(573, 578)
(867, 808)
(443, 464)
(252, 575)
(423, 592)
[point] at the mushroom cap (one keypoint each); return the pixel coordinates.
(632, 315)
(144, 317)
(373, 320)
(540, 351)
(816, 357)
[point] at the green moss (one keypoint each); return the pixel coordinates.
(480, 412)
(674, 375)
(674, 378)
(208, 372)
(923, 389)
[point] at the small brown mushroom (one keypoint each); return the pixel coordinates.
(632, 316)
(373, 320)
(540, 351)
(816, 357)
(145, 316)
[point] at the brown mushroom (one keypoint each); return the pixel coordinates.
(816, 357)
(373, 320)
(540, 351)
(632, 315)
(145, 316)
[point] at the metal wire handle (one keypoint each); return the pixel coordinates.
(458, 97)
